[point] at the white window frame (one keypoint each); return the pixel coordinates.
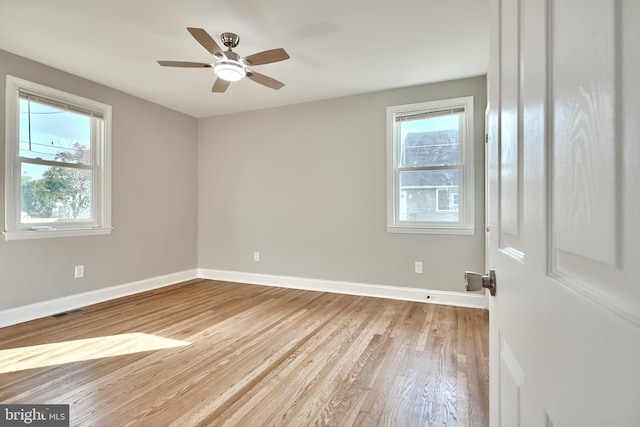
(466, 187)
(101, 152)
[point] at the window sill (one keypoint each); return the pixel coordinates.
(458, 231)
(45, 234)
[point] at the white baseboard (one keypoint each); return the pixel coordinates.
(459, 299)
(25, 313)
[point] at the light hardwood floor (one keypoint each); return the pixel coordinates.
(217, 353)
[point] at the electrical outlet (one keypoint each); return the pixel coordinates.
(256, 256)
(418, 267)
(79, 271)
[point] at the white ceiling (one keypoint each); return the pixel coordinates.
(337, 47)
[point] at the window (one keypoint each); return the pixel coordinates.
(430, 167)
(57, 174)
(447, 199)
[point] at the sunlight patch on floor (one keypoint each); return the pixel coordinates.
(38, 356)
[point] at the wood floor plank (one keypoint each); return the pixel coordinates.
(216, 353)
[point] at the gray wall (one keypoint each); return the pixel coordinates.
(153, 204)
(305, 185)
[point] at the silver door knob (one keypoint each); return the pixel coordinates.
(476, 281)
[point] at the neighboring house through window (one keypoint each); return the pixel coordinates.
(430, 167)
(447, 199)
(57, 174)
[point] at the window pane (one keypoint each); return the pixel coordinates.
(433, 141)
(428, 196)
(51, 133)
(53, 194)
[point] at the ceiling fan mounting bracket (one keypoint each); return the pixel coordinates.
(230, 40)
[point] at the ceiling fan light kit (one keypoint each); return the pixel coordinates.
(229, 70)
(230, 67)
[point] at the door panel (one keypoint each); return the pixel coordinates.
(587, 148)
(583, 141)
(510, 176)
(511, 380)
(564, 198)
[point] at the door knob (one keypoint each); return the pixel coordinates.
(476, 281)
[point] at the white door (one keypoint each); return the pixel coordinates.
(564, 178)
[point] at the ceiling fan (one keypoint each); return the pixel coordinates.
(229, 66)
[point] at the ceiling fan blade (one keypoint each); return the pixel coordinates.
(184, 64)
(264, 80)
(267, 57)
(220, 86)
(206, 41)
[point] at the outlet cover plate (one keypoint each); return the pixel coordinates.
(79, 271)
(418, 267)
